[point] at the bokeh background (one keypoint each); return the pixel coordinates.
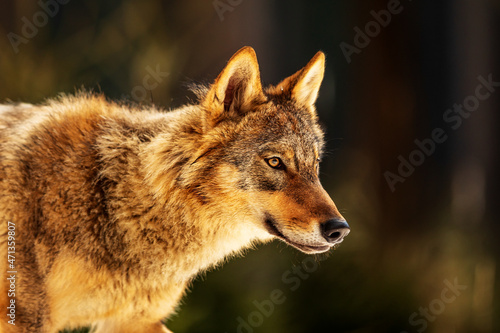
(423, 255)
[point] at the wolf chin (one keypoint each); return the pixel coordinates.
(112, 210)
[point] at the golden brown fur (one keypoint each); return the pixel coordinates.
(116, 209)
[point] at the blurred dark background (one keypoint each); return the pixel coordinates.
(410, 104)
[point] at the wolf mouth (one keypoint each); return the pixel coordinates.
(273, 230)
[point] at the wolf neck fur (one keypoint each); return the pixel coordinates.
(176, 227)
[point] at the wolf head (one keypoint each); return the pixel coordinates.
(261, 153)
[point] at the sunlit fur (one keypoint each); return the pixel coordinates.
(117, 208)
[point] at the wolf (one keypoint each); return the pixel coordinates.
(108, 211)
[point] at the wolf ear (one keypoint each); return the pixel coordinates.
(303, 86)
(236, 90)
(309, 80)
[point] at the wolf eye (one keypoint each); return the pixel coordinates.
(275, 163)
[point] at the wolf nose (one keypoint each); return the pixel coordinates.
(335, 230)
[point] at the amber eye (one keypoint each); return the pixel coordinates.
(275, 163)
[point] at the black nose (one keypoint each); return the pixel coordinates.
(335, 230)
